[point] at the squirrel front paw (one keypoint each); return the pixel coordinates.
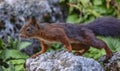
(35, 55)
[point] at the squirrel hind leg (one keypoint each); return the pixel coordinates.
(99, 44)
(91, 40)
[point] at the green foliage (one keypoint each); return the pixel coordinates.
(10, 53)
(56, 46)
(73, 18)
(94, 53)
(23, 45)
(87, 10)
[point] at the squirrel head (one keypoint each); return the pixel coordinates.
(29, 29)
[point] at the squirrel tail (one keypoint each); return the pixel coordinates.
(107, 26)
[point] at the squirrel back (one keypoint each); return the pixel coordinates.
(106, 26)
(72, 30)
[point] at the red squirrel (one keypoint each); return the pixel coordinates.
(74, 36)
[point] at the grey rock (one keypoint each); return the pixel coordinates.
(15, 12)
(113, 63)
(28, 8)
(61, 61)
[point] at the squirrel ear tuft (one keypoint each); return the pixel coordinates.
(33, 20)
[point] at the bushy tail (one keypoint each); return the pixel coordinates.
(106, 26)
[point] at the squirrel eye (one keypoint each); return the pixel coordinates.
(28, 29)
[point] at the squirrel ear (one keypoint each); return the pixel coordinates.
(33, 20)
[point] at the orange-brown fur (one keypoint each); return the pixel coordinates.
(74, 37)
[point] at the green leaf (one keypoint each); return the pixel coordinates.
(61, 1)
(24, 45)
(97, 2)
(20, 68)
(7, 54)
(101, 9)
(94, 53)
(71, 0)
(11, 67)
(74, 18)
(1, 43)
(85, 2)
(17, 62)
(70, 10)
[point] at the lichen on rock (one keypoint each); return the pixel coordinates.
(15, 13)
(61, 61)
(113, 63)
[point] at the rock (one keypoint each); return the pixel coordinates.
(13, 13)
(113, 63)
(61, 61)
(41, 9)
